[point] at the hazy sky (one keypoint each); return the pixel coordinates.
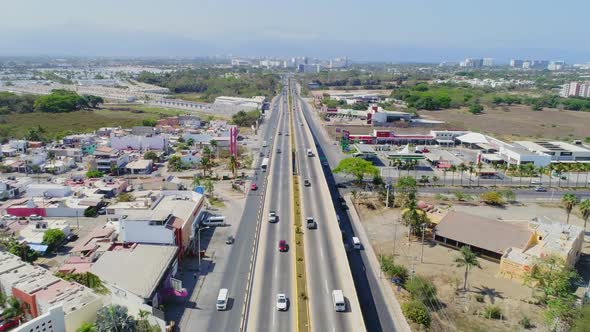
(368, 28)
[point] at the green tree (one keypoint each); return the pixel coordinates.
(53, 237)
(93, 173)
(114, 318)
(209, 187)
(413, 217)
(492, 198)
(205, 165)
(422, 289)
(151, 155)
(175, 163)
(149, 122)
(475, 108)
(87, 279)
(468, 259)
(508, 194)
(569, 201)
(585, 211)
(143, 325)
(18, 249)
(393, 270)
(125, 197)
(417, 312)
(405, 186)
(551, 276)
(356, 167)
(246, 119)
(233, 165)
(86, 327)
(13, 309)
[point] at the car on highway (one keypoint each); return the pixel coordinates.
(283, 246)
(278, 150)
(540, 189)
(286, 134)
(282, 302)
(310, 222)
(253, 186)
(272, 216)
(307, 183)
(325, 163)
(280, 133)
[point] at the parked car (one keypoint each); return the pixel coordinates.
(8, 324)
(8, 217)
(102, 210)
(282, 302)
(71, 237)
(283, 246)
(34, 217)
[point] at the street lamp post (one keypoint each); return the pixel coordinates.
(199, 245)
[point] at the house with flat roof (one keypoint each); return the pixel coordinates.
(559, 151)
(39, 291)
(169, 220)
(140, 277)
(141, 166)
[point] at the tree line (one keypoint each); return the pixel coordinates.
(58, 101)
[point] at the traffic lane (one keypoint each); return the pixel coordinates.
(322, 255)
(236, 270)
(375, 320)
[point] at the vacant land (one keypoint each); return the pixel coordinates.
(460, 310)
(196, 97)
(517, 122)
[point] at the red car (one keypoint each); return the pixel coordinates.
(253, 186)
(283, 246)
(6, 325)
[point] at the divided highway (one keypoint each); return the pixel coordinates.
(326, 262)
(234, 274)
(274, 271)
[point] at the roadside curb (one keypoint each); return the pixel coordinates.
(393, 306)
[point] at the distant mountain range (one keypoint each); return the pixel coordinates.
(93, 41)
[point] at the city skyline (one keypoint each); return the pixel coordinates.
(396, 32)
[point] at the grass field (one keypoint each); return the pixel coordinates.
(112, 115)
(196, 97)
(517, 122)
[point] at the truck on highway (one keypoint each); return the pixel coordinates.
(264, 164)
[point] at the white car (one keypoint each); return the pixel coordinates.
(282, 302)
(8, 217)
(272, 217)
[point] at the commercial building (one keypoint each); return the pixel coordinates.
(558, 151)
(575, 89)
(140, 277)
(106, 158)
(472, 63)
(170, 220)
(309, 68)
(147, 142)
(39, 291)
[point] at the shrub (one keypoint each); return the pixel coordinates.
(421, 289)
(492, 312)
(90, 212)
(492, 198)
(525, 322)
(417, 312)
(94, 174)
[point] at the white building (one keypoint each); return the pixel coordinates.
(47, 190)
(519, 155)
(106, 157)
(488, 62)
(137, 275)
(51, 321)
(139, 142)
(34, 232)
(558, 151)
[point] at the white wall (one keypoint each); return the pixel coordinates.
(137, 142)
(142, 232)
(52, 321)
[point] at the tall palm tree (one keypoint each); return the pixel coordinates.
(14, 309)
(479, 166)
(205, 164)
(585, 211)
(453, 169)
(540, 171)
(233, 165)
(215, 145)
(550, 169)
(462, 168)
(470, 168)
(209, 187)
(468, 259)
(569, 201)
(445, 170)
(196, 182)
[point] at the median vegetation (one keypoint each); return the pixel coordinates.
(302, 298)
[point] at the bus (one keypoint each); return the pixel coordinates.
(264, 164)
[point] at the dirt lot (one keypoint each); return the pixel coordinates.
(460, 310)
(517, 122)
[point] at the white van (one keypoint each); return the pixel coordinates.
(309, 153)
(222, 299)
(264, 144)
(338, 299)
(214, 221)
(356, 243)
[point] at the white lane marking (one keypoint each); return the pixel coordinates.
(326, 284)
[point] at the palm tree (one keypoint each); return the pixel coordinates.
(214, 145)
(412, 216)
(209, 187)
(233, 165)
(569, 201)
(445, 170)
(462, 168)
(468, 259)
(453, 169)
(470, 168)
(479, 167)
(14, 309)
(585, 211)
(435, 179)
(205, 164)
(196, 182)
(550, 169)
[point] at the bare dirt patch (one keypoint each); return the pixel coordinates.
(517, 122)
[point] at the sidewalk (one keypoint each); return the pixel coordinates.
(385, 288)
